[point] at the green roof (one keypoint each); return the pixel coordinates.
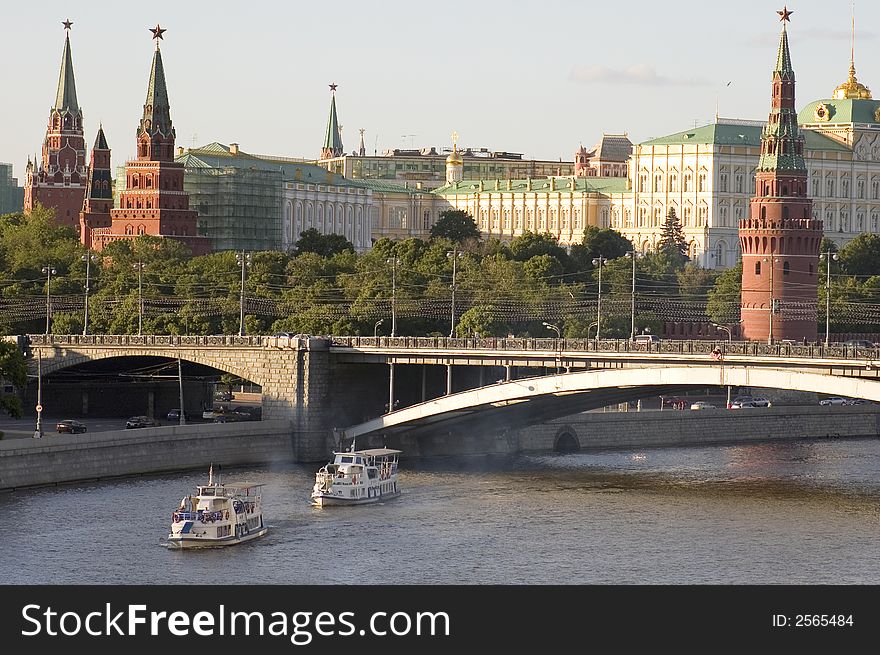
(386, 186)
(65, 96)
(217, 155)
(604, 185)
(849, 110)
(743, 135)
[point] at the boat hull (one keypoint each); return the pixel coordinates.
(190, 542)
(329, 500)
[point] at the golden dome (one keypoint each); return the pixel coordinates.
(454, 157)
(852, 88)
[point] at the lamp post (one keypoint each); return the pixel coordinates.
(244, 260)
(729, 340)
(139, 267)
(182, 418)
(829, 257)
(454, 255)
(88, 258)
(394, 261)
(49, 271)
(632, 254)
(591, 326)
(556, 329)
(38, 432)
(599, 262)
(772, 261)
(376, 327)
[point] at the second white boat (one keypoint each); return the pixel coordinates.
(357, 477)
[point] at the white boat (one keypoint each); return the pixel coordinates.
(357, 477)
(218, 515)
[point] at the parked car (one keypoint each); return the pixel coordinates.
(646, 338)
(833, 400)
(859, 343)
(70, 426)
(759, 401)
(231, 417)
(174, 415)
(702, 405)
(223, 396)
(856, 401)
(141, 422)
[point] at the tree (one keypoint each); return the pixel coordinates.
(543, 269)
(13, 369)
(694, 282)
(725, 296)
(861, 256)
(672, 245)
(325, 245)
(532, 244)
(606, 242)
(456, 225)
(481, 321)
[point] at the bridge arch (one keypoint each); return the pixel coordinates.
(538, 399)
(67, 358)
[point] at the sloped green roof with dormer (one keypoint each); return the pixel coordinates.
(739, 135)
(846, 111)
(603, 185)
(218, 155)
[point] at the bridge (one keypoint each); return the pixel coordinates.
(319, 384)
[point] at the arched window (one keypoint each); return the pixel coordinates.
(757, 268)
(785, 268)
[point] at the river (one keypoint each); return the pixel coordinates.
(796, 512)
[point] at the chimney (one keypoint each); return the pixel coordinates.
(179, 150)
(233, 148)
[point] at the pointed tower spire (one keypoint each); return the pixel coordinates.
(65, 97)
(332, 139)
(156, 132)
(783, 56)
(101, 140)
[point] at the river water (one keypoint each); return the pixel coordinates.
(795, 512)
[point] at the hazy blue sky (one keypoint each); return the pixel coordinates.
(530, 77)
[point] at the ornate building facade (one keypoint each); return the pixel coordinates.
(780, 239)
(59, 179)
(154, 201)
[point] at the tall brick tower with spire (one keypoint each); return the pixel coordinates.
(780, 239)
(59, 180)
(333, 138)
(99, 195)
(154, 201)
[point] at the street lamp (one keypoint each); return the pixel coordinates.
(376, 327)
(599, 262)
(49, 271)
(139, 267)
(88, 258)
(394, 261)
(454, 255)
(632, 254)
(591, 326)
(244, 260)
(772, 261)
(550, 326)
(726, 329)
(829, 257)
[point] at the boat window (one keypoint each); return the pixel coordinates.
(347, 460)
(359, 461)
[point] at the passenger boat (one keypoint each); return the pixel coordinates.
(357, 477)
(218, 515)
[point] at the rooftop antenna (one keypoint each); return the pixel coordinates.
(193, 139)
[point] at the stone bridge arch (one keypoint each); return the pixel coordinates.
(538, 399)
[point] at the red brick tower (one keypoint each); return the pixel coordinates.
(60, 180)
(780, 240)
(99, 197)
(154, 201)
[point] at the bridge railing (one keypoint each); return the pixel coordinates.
(619, 346)
(622, 346)
(159, 340)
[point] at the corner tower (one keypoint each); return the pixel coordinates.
(154, 201)
(780, 239)
(60, 179)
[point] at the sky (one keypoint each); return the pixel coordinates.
(538, 78)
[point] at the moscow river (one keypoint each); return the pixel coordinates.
(795, 512)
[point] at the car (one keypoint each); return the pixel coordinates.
(70, 426)
(174, 415)
(859, 343)
(646, 338)
(702, 405)
(856, 401)
(758, 401)
(231, 417)
(141, 422)
(742, 399)
(285, 335)
(833, 400)
(223, 396)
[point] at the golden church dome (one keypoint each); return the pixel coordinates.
(852, 88)
(454, 157)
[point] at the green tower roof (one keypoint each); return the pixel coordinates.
(65, 98)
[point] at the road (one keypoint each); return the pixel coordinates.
(25, 426)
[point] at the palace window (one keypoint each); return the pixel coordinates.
(817, 188)
(673, 181)
(875, 189)
(844, 188)
(643, 183)
(722, 183)
(658, 182)
(860, 189)
(829, 187)
(702, 183)
(738, 182)
(688, 182)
